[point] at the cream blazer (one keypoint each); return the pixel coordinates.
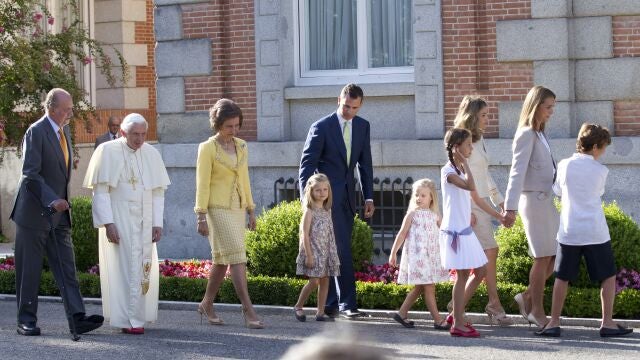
(479, 164)
(532, 167)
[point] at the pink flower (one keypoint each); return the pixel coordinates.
(87, 60)
(1, 30)
(50, 20)
(37, 17)
(46, 66)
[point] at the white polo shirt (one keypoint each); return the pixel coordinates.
(580, 183)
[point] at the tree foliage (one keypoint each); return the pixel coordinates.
(39, 52)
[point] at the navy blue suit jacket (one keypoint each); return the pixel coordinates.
(324, 152)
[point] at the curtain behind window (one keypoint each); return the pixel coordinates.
(332, 34)
(390, 33)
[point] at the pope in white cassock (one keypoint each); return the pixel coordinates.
(128, 180)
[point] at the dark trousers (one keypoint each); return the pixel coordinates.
(342, 291)
(31, 245)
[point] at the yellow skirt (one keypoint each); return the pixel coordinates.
(227, 234)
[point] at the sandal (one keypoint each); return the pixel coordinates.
(404, 322)
(442, 325)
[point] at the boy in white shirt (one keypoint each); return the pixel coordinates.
(583, 229)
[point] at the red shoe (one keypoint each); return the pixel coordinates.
(133, 331)
(472, 333)
(450, 319)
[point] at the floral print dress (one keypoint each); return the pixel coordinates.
(323, 246)
(420, 262)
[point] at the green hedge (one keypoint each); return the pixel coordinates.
(581, 302)
(514, 261)
(273, 247)
(83, 234)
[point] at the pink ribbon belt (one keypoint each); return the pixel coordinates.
(454, 235)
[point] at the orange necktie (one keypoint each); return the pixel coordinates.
(63, 145)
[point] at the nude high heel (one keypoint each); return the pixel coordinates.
(519, 299)
(256, 324)
(212, 320)
(497, 317)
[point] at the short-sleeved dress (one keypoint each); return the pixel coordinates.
(420, 263)
(456, 218)
(323, 245)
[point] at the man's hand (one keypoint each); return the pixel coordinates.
(60, 205)
(368, 209)
(112, 233)
(156, 233)
(509, 218)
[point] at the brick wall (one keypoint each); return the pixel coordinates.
(230, 26)
(626, 43)
(469, 54)
(145, 77)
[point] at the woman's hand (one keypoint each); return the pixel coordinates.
(392, 259)
(252, 221)
(202, 226)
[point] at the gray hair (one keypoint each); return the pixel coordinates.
(133, 119)
(51, 101)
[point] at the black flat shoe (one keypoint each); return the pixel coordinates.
(28, 329)
(403, 322)
(550, 332)
(300, 316)
(440, 326)
(620, 331)
(324, 318)
(331, 312)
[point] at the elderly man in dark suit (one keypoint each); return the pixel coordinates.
(336, 146)
(42, 217)
(113, 133)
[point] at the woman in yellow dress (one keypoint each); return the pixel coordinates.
(223, 199)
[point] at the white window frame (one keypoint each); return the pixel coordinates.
(363, 74)
(86, 74)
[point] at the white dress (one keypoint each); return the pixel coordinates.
(456, 218)
(420, 263)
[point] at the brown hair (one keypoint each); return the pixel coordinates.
(591, 135)
(536, 96)
(221, 111)
(467, 117)
(453, 137)
(353, 91)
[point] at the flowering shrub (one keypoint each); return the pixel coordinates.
(194, 269)
(7, 264)
(377, 273)
(627, 279)
(39, 52)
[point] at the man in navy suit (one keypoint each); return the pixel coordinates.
(337, 145)
(42, 217)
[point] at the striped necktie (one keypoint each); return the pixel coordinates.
(63, 145)
(346, 135)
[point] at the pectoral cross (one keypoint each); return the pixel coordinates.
(133, 180)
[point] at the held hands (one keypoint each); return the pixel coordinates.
(112, 233)
(509, 217)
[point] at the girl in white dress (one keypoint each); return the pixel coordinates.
(459, 246)
(420, 263)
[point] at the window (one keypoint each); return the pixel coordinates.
(354, 40)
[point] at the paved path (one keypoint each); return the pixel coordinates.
(179, 335)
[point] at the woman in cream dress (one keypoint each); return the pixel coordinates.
(472, 115)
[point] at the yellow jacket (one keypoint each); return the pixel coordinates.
(217, 177)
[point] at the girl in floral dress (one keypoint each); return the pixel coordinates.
(318, 255)
(420, 263)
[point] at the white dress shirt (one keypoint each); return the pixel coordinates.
(580, 183)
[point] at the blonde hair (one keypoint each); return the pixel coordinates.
(425, 184)
(314, 180)
(536, 96)
(467, 117)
